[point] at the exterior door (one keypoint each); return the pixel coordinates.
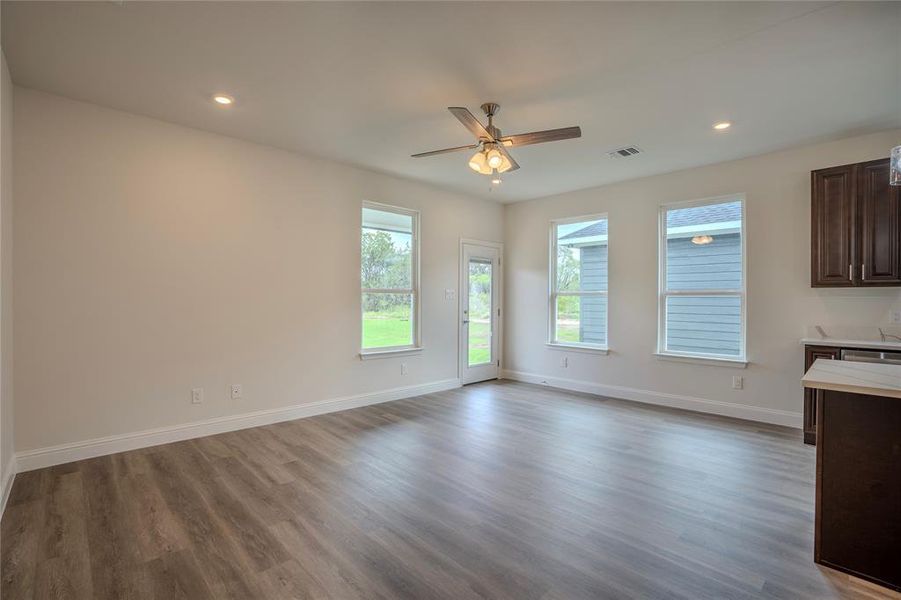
(479, 312)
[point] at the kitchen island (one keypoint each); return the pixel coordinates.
(858, 479)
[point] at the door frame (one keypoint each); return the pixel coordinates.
(500, 302)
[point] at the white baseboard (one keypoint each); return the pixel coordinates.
(716, 407)
(6, 482)
(29, 460)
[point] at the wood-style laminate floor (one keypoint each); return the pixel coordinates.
(497, 490)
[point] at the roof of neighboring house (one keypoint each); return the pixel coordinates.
(704, 215)
(597, 228)
(679, 217)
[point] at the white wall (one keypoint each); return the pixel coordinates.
(151, 258)
(7, 445)
(781, 302)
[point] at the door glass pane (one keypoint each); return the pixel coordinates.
(704, 324)
(480, 313)
(387, 320)
(581, 319)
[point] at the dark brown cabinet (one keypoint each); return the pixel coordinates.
(811, 353)
(855, 226)
(857, 527)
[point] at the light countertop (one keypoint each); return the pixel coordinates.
(875, 379)
(851, 343)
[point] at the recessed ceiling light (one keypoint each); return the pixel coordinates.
(722, 125)
(223, 99)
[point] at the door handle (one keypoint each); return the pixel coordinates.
(465, 321)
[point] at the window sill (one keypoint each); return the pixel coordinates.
(735, 363)
(573, 348)
(371, 354)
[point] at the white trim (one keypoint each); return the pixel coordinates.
(583, 348)
(499, 300)
(375, 353)
(702, 405)
(6, 485)
(498, 245)
(698, 359)
(553, 293)
(38, 458)
(663, 292)
(415, 291)
(687, 231)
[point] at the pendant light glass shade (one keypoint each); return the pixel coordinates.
(894, 177)
(505, 165)
(479, 163)
(495, 158)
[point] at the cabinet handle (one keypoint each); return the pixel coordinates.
(863, 271)
(851, 272)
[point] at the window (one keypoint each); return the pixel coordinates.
(702, 280)
(578, 282)
(389, 278)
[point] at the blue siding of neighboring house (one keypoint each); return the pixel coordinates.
(716, 265)
(593, 310)
(704, 324)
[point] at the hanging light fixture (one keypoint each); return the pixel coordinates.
(479, 163)
(494, 157)
(894, 177)
(702, 240)
(505, 165)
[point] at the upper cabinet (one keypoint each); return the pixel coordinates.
(856, 226)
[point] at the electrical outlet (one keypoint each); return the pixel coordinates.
(737, 382)
(197, 396)
(564, 362)
(896, 316)
(403, 368)
(236, 391)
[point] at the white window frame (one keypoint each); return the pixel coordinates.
(553, 293)
(414, 291)
(663, 293)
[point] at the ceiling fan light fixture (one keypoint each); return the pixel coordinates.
(495, 158)
(477, 162)
(505, 165)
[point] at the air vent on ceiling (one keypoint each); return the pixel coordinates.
(624, 152)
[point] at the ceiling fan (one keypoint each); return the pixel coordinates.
(491, 156)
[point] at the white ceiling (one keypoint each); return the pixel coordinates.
(368, 83)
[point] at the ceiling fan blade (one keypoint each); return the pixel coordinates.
(538, 137)
(513, 164)
(445, 151)
(470, 122)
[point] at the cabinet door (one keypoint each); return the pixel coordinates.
(879, 215)
(832, 233)
(811, 353)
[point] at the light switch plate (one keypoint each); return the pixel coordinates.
(450, 294)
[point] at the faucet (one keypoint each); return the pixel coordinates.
(885, 336)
